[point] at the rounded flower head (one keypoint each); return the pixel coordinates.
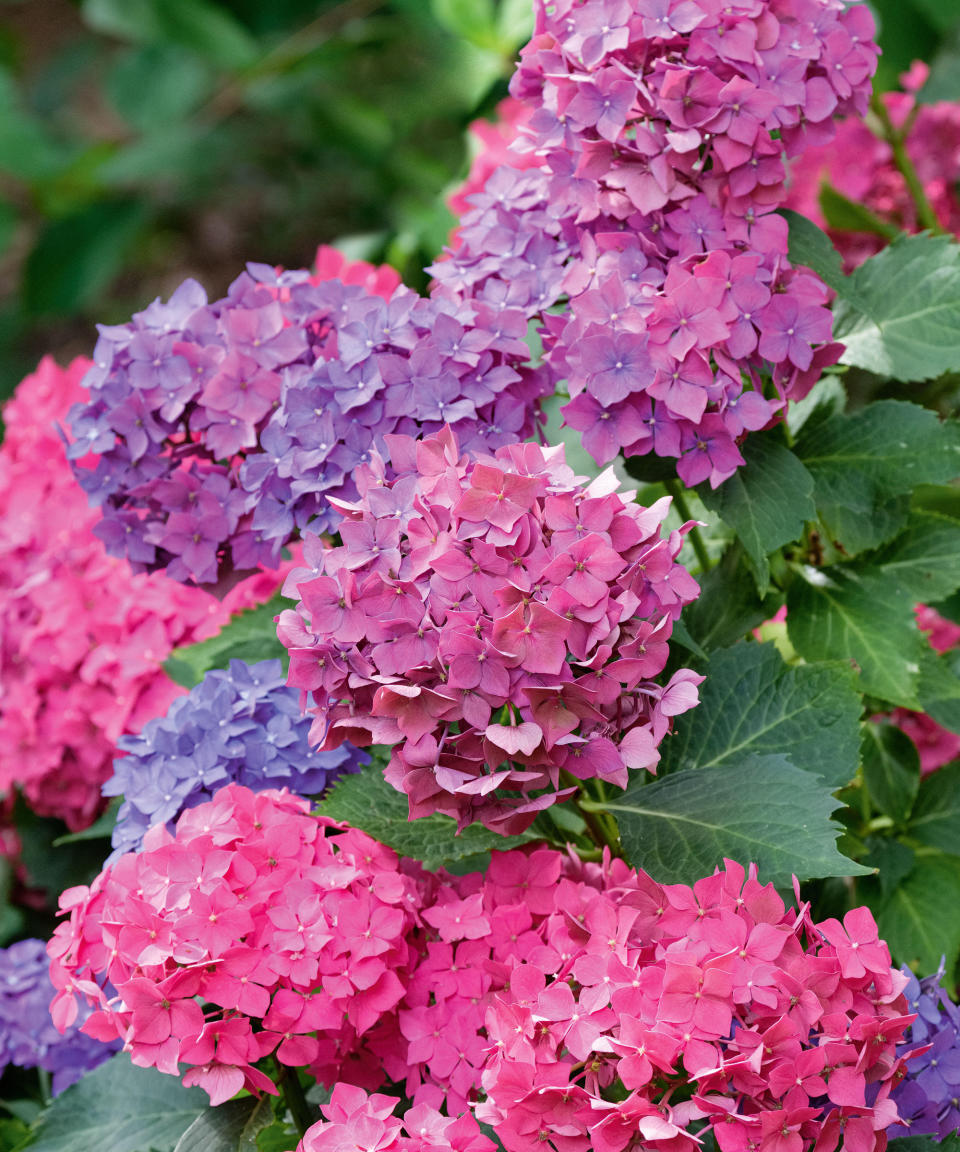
(636, 217)
(290, 929)
(496, 621)
(218, 429)
(242, 725)
(82, 639)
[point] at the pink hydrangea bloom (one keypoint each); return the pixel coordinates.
(294, 931)
(860, 165)
(82, 639)
(490, 142)
(646, 241)
(498, 623)
(355, 1121)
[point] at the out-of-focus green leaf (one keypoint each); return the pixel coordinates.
(848, 216)
(205, 27)
(76, 258)
(27, 149)
(156, 85)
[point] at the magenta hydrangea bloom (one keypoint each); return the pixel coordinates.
(646, 241)
(496, 621)
(292, 930)
(219, 429)
(355, 1120)
(82, 639)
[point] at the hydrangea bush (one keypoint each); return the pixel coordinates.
(625, 867)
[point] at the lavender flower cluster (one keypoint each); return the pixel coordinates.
(928, 1097)
(239, 726)
(220, 428)
(28, 1037)
(662, 128)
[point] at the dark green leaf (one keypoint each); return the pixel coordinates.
(939, 688)
(27, 150)
(728, 605)
(49, 867)
(156, 85)
(921, 920)
(925, 559)
(950, 1143)
(368, 802)
(862, 460)
(100, 829)
(849, 216)
(893, 860)
(203, 26)
(249, 636)
(230, 1127)
(761, 809)
(752, 703)
(839, 613)
(277, 1138)
(891, 769)
(121, 1108)
(76, 257)
(942, 14)
(766, 503)
(936, 814)
(902, 317)
(812, 247)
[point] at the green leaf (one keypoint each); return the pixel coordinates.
(100, 829)
(861, 461)
(921, 920)
(277, 1138)
(925, 559)
(752, 703)
(250, 636)
(366, 801)
(936, 814)
(840, 613)
(902, 317)
(157, 84)
(848, 216)
(49, 867)
(728, 605)
(119, 1107)
(75, 258)
(891, 769)
(939, 688)
(27, 151)
(766, 504)
(950, 1143)
(762, 809)
(230, 1127)
(812, 247)
(204, 27)
(893, 860)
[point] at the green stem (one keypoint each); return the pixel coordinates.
(300, 1111)
(44, 1077)
(696, 539)
(896, 138)
(602, 833)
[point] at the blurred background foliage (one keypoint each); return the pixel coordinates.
(143, 141)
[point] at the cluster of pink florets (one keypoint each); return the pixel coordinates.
(81, 638)
(295, 932)
(570, 1005)
(860, 165)
(663, 128)
(497, 623)
(356, 1120)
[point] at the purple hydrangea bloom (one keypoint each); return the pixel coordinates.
(239, 726)
(645, 239)
(928, 1096)
(215, 432)
(28, 1038)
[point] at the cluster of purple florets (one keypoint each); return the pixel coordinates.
(662, 130)
(222, 427)
(28, 1037)
(928, 1097)
(239, 726)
